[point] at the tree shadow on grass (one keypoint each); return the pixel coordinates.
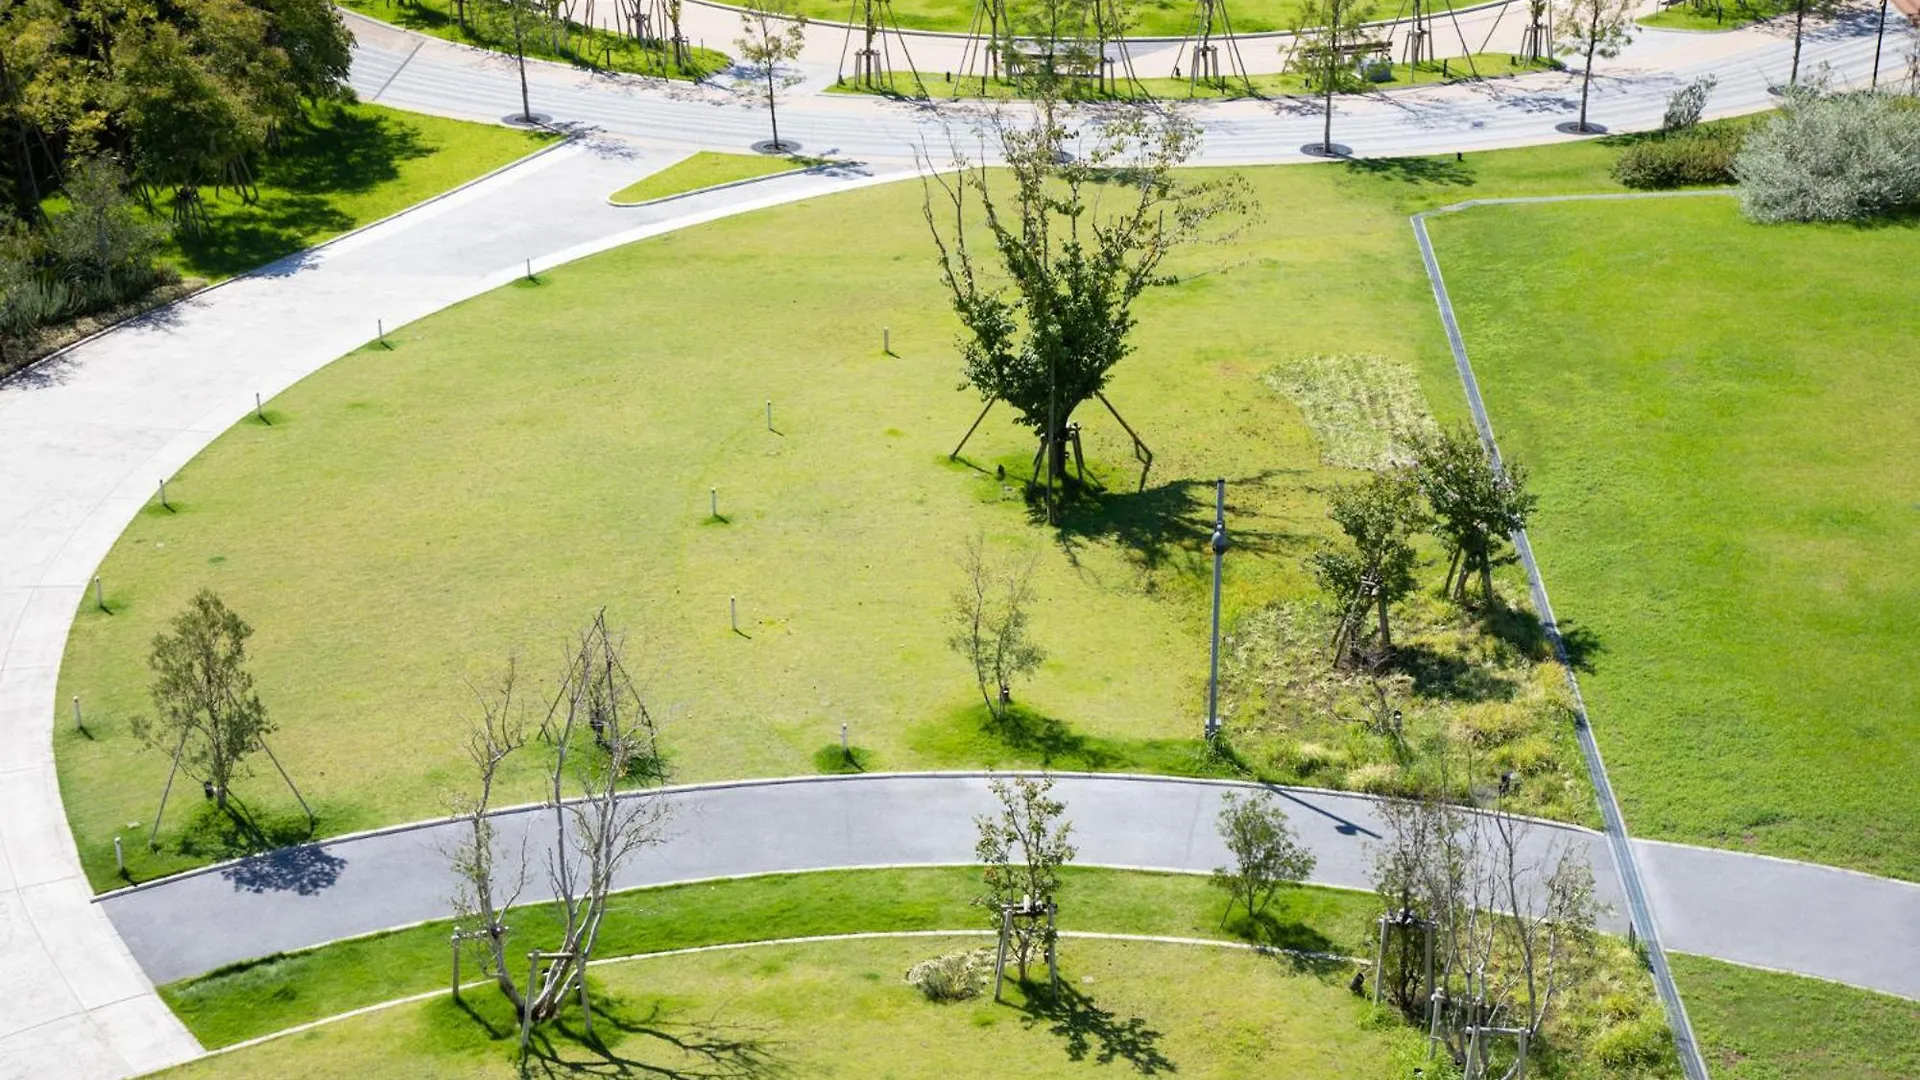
(1415, 170)
(339, 151)
(1523, 630)
(1089, 1031)
(1165, 522)
(689, 1049)
(1293, 943)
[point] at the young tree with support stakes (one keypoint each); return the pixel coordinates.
(1800, 10)
(990, 616)
(601, 734)
(1078, 232)
(1379, 518)
(1477, 503)
(1266, 853)
(1023, 847)
(1324, 34)
(1592, 28)
(209, 717)
(772, 33)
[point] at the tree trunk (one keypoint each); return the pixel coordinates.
(1586, 81)
(773, 116)
(1486, 581)
(1799, 22)
(1386, 636)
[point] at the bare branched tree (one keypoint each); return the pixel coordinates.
(990, 617)
(603, 735)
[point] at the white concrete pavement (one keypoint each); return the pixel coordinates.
(84, 438)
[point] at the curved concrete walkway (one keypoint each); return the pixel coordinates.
(1819, 921)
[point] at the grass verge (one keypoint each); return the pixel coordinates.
(843, 1008)
(706, 169)
(1703, 16)
(346, 166)
(1763, 1025)
(489, 25)
(1719, 420)
(256, 998)
(1150, 18)
(948, 86)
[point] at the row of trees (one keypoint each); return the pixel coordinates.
(1454, 488)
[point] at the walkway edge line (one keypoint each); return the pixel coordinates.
(811, 939)
(566, 138)
(1626, 863)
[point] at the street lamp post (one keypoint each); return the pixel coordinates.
(1219, 545)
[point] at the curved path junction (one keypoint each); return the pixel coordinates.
(84, 437)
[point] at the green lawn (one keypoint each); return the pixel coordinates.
(1454, 69)
(706, 169)
(1151, 18)
(415, 515)
(843, 1009)
(1612, 1029)
(489, 26)
(253, 999)
(1761, 1025)
(347, 166)
(1687, 16)
(501, 528)
(1721, 421)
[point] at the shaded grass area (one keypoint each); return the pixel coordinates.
(489, 25)
(1719, 418)
(952, 86)
(346, 166)
(415, 514)
(1763, 1025)
(252, 999)
(844, 1009)
(706, 169)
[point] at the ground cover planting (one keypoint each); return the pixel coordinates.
(706, 169)
(1710, 16)
(546, 449)
(1719, 419)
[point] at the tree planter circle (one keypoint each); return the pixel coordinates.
(1327, 150)
(768, 146)
(526, 120)
(1575, 127)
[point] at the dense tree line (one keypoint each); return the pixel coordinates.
(183, 94)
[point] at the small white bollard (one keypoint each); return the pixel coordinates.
(529, 269)
(119, 858)
(713, 501)
(733, 612)
(77, 725)
(769, 416)
(381, 326)
(99, 594)
(163, 494)
(258, 412)
(844, 751)
(886, 340)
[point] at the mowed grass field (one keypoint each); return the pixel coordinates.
(412, 517)
(844, 1009)
(1723, 422)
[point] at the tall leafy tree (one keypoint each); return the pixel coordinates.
(208, 715)
(1266, 853)
(1076, 234)
(1375, 568)
(1477, 504)
(772, 32)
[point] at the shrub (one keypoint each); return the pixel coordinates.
(103, 244)
(1686, 104)
(953, 977)
(1682, 158)
(1831, 157)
